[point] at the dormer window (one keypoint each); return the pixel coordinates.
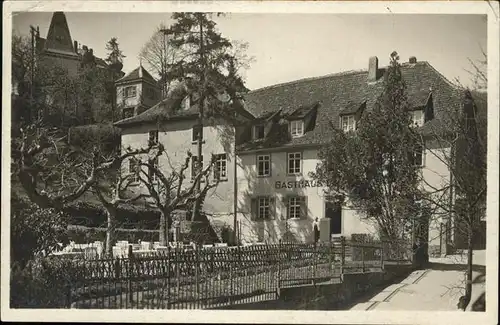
(258, 132)
(348, 123)
(297, 128)
(417, 118)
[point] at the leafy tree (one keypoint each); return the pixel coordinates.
(115, 55)
(210, 66)
(373, 167)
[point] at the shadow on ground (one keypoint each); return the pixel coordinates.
(455, 267)
(374, 292)
(480, 303)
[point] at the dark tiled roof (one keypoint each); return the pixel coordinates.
(352, 108)
(136, 74)
(339, 92)
(169, 109)
(163, 110)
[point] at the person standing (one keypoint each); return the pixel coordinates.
(316, 230)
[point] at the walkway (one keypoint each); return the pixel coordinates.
(436, 288)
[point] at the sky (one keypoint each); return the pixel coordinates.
(287, 47)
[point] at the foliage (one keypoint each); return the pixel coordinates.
(114, 53)
(43, 283)
(105, 136)
(62, 97)
(373, 167)
(35, 231)
(211, 63)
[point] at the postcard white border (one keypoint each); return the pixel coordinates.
(306, 317)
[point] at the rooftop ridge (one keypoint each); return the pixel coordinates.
(330, 75)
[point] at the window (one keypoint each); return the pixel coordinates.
(220, 171)
(348, 123)
(197, 133)
(297, 128)
(418, 156)
(417, 118)
(296, 207)
(153, 137)
(130, 91)
(195, 167)
(128, 112)
(134, 169)
(263, 165)
(151, 173)
(294, 162)
(258, 132)
(264, 210)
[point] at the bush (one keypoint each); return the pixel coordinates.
(42, 283)
(35, 231)
(106, 136)
(357, 252)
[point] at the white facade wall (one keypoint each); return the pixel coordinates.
(251, 186)
(177, 139)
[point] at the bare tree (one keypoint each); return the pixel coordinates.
(111, 196)
(158, 55)
(51, 172)
(168, 189)
(465, 203)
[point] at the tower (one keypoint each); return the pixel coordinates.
(136, 92)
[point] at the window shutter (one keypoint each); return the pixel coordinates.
(253, 209)
(285, 204)
(270, 165)
(303, 208)
(272, 208)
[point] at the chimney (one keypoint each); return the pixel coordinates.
(372, 69)
(75, 45)
(91, 52)
(413, 59)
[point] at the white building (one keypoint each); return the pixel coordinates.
(277, 147)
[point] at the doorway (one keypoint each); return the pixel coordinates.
(333, 211)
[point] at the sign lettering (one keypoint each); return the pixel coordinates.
(298, 184)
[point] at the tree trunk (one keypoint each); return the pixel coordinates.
(111, 231)
(468, 285)
(163, 235)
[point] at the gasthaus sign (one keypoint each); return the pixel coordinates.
(297, 184)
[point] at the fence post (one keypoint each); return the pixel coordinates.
(231, 262)
(196, 270)
(382, 256)
(330, 257)
(342, 254)
(169, 266)
(129, 282)
(363, 258)
(278, 276)
(315, 262)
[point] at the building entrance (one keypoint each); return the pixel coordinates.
(333, 211)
